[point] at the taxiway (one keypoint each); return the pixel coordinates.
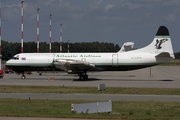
(156, 77)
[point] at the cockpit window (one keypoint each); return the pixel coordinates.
(15, 58)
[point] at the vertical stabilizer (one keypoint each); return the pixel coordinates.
(161, 43)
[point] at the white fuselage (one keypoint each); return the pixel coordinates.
(104, 61)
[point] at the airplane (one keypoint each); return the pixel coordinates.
(157, 52)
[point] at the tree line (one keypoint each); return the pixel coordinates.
(177, 55)
(8, 50)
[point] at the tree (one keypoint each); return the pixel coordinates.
(6, 50)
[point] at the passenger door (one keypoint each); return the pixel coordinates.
(115, 59)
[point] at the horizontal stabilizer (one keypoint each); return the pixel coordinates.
(164, 54)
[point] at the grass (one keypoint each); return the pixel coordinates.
(175, 62)
(92, 90)
(62, 108)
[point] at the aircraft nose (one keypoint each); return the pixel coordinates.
(7, 63)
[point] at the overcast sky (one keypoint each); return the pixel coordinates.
(112, 21)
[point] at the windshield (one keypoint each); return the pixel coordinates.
(16, 57)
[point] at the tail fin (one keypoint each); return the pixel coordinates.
(161, 44)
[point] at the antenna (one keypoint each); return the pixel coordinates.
(61, 38)
(38, 29)
(0, 30)
(1, 71)
(0, 36)
(22, 26)
(50, 34)
(68, 45)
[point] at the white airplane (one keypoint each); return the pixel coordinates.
(159, 51)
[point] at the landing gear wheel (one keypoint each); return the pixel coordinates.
(83, 77)
(86, 77)
(23, 77)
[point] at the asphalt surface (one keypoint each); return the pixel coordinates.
(98, 97)
(160, 77)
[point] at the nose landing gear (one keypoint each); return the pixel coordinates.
(23, 77)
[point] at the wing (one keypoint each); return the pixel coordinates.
(73, 66)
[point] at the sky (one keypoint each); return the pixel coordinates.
(110, 21)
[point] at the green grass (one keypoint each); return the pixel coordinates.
(62, 108)
(92, 90)
(175, 62)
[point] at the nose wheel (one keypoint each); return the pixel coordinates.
(23, 77)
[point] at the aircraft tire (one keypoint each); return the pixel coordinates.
(23, 77)
(80, 77)
(85, 77)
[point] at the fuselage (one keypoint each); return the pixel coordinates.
(103, 61)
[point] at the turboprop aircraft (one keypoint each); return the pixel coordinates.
(159, 51)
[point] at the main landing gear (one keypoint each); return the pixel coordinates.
(83, 76)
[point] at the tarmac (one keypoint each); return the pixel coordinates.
(98, 97)
(154, 77)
